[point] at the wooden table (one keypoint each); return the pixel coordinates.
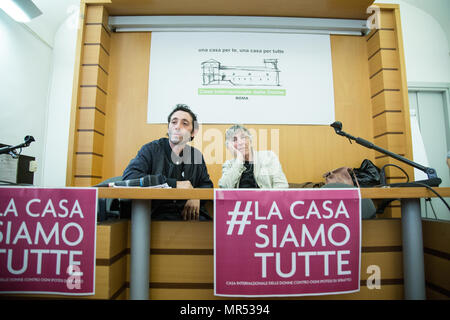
(412, 242)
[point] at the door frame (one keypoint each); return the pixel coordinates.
(444, 88)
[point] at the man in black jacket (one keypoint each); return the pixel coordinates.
(174, 162)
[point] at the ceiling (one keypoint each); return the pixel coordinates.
(54, 12)
(348, 9)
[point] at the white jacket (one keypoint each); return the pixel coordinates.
(267, 170)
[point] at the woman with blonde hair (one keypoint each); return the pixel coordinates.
(249, 168)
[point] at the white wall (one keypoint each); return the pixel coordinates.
(438, 9)
(25, 67)
(60, 97)
(427, 53)
(36, 77)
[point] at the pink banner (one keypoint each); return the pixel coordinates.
(286, 242)
(47, 240)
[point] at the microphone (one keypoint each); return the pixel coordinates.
(337, 125)
(28, 140)
(146, 181)
(11, 149)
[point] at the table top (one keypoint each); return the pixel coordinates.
(208, 194)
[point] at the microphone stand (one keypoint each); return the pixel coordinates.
(11, 149)
(433, 179)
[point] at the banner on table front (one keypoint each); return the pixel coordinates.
(47, 240)
(286, 242)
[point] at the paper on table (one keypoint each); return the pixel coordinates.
(158, 186)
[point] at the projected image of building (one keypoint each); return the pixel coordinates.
(268, 75)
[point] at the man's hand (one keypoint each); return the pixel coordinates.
(186, 184)
(191, 210)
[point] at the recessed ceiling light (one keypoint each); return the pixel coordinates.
(20, 10)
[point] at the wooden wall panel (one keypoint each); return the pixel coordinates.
(112, 238)
(176, 235)
(126, 128)
(197, 270)
(385, 80)
(90, 141)
(385, 59)
(381, 40)
(388, 21)
(392, 141)
(181, 261)
(91, 96)
(437, 277)
(436, 243)
(90, 117)
(111, 259)
(93, 75)
(86, 181)
(388, 292)
(88, 165)
(305, 152)
(386, 101)
(383, 233)
(96, 15)
(95, 56)
(368, 88)
(87, 152)
(389, 96)
(96, 34)
(388, 122)
(356, 88)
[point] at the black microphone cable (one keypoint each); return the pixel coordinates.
(409, 184)
(404, 184)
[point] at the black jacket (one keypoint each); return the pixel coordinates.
(156, 158)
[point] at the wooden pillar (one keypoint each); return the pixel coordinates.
(389, 97)
(89, 110)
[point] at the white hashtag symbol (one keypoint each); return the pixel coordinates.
(234, 218)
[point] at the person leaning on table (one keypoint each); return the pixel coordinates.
(174, 162)
(249, 168)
